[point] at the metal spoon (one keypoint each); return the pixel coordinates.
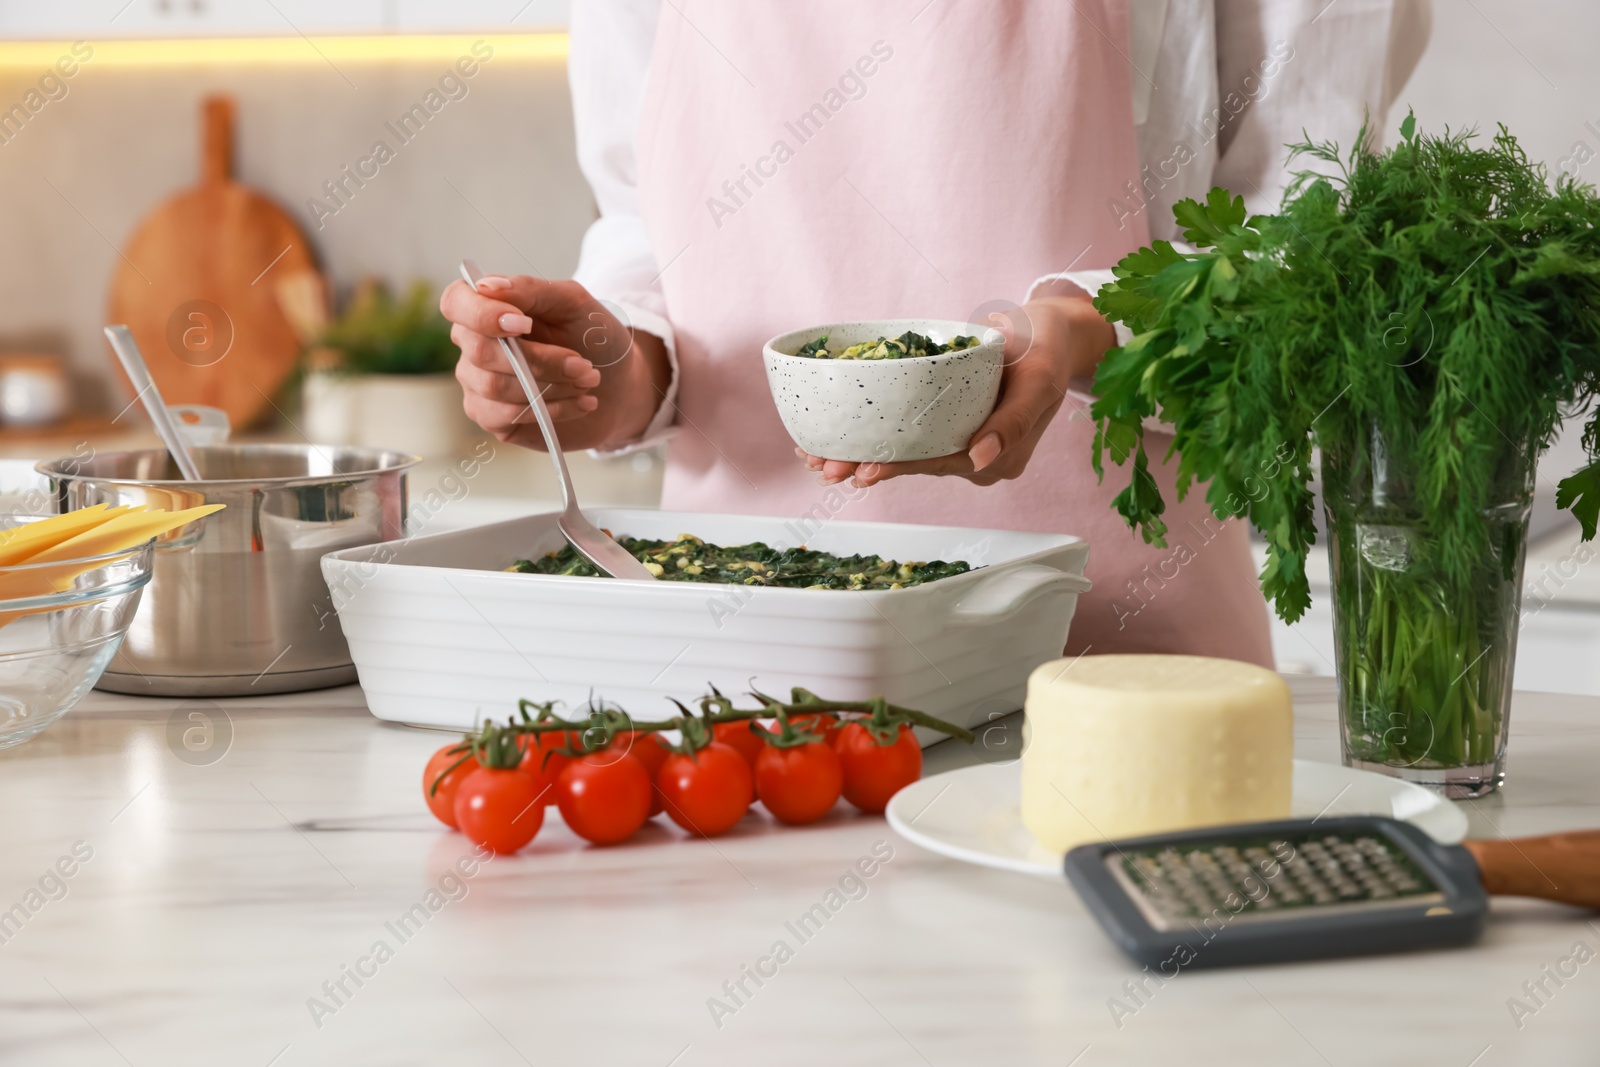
(127, 350)
(593, 543)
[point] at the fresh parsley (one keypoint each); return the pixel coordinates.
(1443, 289)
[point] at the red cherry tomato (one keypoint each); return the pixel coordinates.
(739, 737)
(798, 784)
(708, 792)
(825, 723)
(648, 749)
(872, 772)
(604, 797)
(442, 801)
(541, 759)
(499, 810)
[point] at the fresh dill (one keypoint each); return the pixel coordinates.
(1442, 290)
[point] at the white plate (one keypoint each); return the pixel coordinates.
(973, 814)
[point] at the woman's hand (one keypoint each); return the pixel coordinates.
(1064, 337)
(601, 380)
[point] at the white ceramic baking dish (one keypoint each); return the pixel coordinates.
(442, 636)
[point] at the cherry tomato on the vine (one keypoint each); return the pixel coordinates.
(825, 723)
(798, 784)
(708, 792)
(739, 737)
(650, 750)
(872, 772)
(499, 809)
(442, 801)
(541, 759)
(604, 797)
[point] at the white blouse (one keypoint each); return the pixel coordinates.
(1219, 87)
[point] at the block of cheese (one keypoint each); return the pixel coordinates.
(1123, 745)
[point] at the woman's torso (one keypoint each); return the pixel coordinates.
(839, 161)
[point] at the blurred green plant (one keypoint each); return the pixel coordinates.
(381, 334)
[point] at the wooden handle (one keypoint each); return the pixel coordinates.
(216, 146)
(1564, 867)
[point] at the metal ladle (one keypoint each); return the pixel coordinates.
(127, 350)
(593, 543)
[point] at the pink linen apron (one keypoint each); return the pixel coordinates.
(842, 159)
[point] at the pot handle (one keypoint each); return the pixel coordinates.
(201, 426)
(1007, 593)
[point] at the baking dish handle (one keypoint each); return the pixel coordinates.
(1007, 593)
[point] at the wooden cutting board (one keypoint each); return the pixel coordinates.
(196, 285)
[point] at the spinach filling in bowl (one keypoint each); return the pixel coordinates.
(908, 345)
(689, 559)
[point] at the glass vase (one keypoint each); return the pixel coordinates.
(1425, 617)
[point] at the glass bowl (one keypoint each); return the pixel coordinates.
(60, 624)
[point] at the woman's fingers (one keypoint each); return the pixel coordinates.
(834, 471)
(1000, 449)
(493, 397)
(1029, 396)
(505, 389)
(512, 307)
(482, 313)
(549, 363)
(506, 421)
(868, 474)
(536, 297)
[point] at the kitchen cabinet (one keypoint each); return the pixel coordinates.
(107, 19)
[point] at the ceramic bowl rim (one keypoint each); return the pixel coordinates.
(990, 340)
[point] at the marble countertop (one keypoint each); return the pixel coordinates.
(208, 909)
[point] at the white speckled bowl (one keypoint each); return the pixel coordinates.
(885, 410)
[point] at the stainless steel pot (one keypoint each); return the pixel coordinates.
(236, 604)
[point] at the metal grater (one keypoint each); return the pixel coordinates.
(1264, 892)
